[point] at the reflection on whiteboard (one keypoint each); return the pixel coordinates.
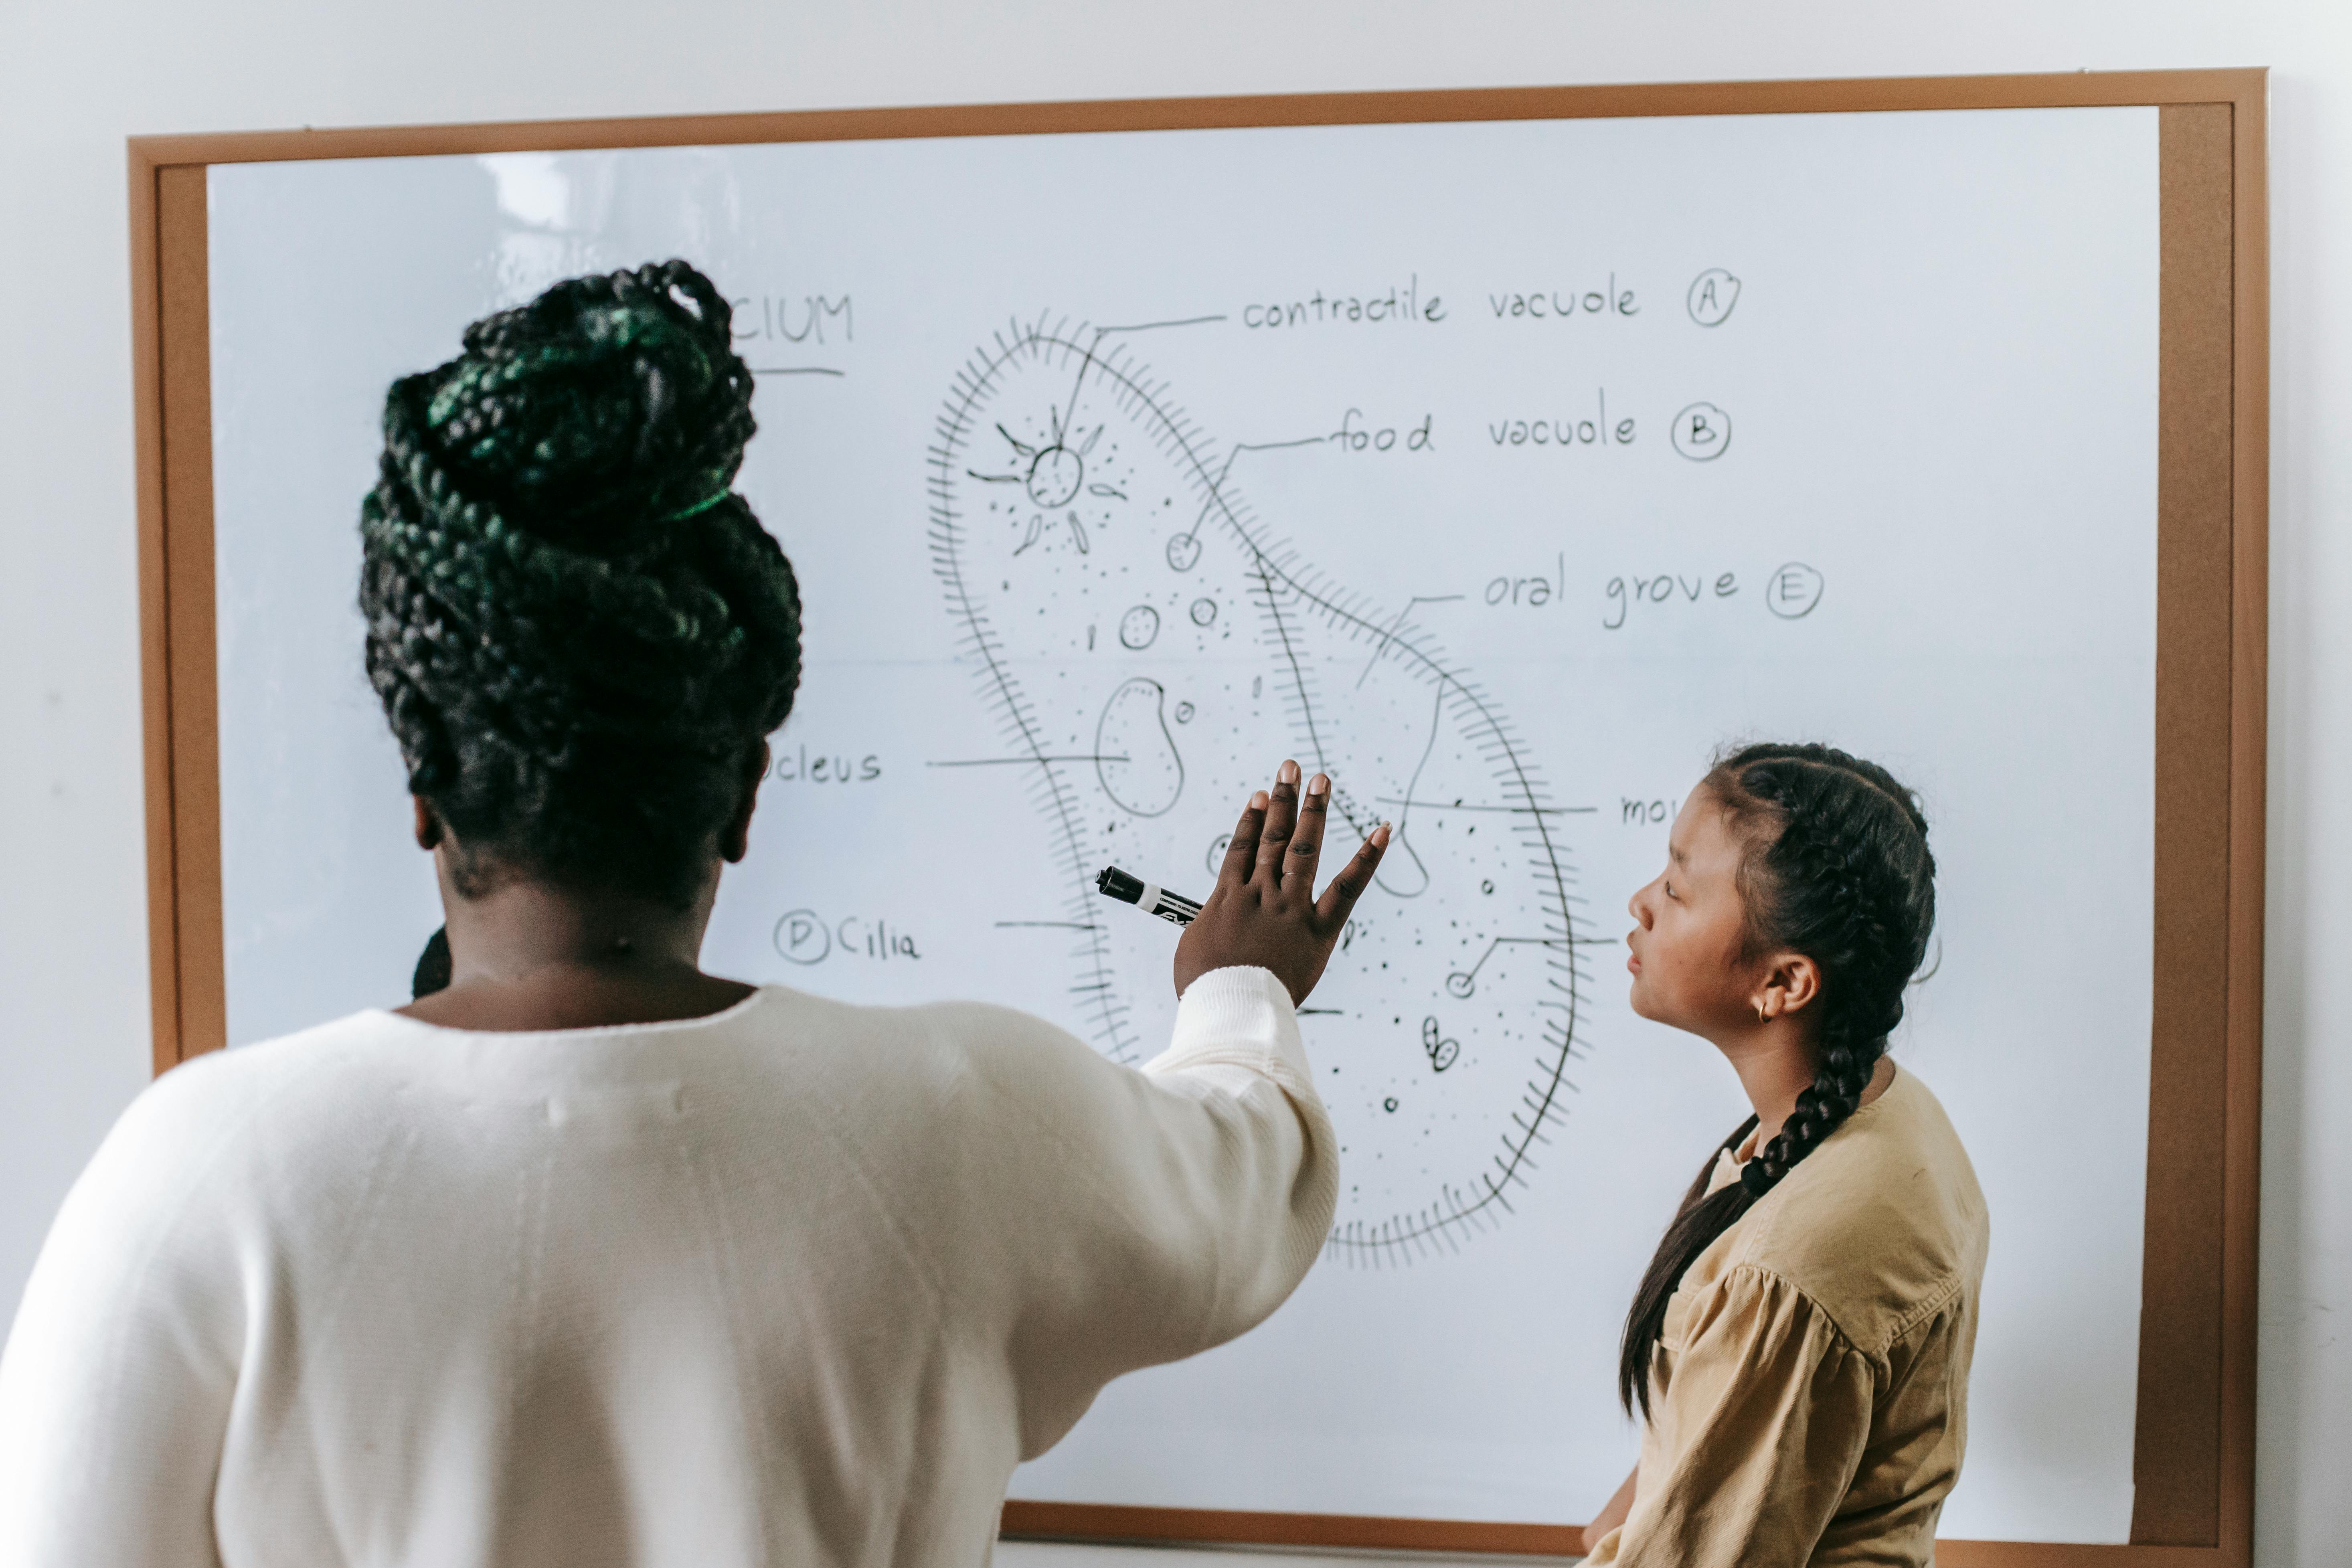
(1503, 471)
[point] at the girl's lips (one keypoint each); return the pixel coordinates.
(1632, 964)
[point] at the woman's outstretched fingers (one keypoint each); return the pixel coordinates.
(1264, 910)
(1306, 839)
(1354, 877)
(1281, 811)
(1241, 853)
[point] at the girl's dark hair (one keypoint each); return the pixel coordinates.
(1834, 865)
(580, 633)
(432, 971)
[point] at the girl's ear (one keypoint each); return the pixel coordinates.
(1792, 982)
(428, 824)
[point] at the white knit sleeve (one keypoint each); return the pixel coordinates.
(1133, 1217)
(1237, 1054)
(116, 1384)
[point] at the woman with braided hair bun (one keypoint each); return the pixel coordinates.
(1798, 1347)
(580, 634)
(586, 1257)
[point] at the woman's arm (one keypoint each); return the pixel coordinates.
(1102, 1218)
(1208, 1186)
(116, 1385)
(1161, 1212)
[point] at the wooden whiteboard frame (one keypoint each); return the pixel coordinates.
(2193, 1455)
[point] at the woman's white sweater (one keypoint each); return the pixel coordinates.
(795, 1284)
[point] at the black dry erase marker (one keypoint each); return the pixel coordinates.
(1149, 897)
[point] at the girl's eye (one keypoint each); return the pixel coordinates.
(1670, 890)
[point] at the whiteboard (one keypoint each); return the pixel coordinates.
(1503, 469)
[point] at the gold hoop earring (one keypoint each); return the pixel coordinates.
(1759, 1014)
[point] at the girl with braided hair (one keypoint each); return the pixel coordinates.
(1798, 1347)
(586, 1256)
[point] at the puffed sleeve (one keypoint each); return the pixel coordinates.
(1759, 1411)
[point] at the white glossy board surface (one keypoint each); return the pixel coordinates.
(1505, 470)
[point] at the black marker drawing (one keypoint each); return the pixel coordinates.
(1464, 982)
(1712, 295)
(1702, 432)
(802, 937)
(1443, 1053)
(1793, 591)
(1139, 628)
(1135, 753)
(1068, 490)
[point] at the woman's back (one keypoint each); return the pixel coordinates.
(591, 1258)
(799, 1282)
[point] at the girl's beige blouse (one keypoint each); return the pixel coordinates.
(1809, 1400)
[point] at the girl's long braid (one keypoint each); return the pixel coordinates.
(1836, 867)
(1876, 903)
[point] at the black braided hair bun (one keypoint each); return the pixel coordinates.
(579, 632)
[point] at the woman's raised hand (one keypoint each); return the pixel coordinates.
(1264, 910)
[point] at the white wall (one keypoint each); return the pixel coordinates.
(76, 79)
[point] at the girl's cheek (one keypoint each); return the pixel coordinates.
(1657, 978)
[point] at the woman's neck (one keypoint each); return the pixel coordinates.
(530, 955)
(519, 926)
